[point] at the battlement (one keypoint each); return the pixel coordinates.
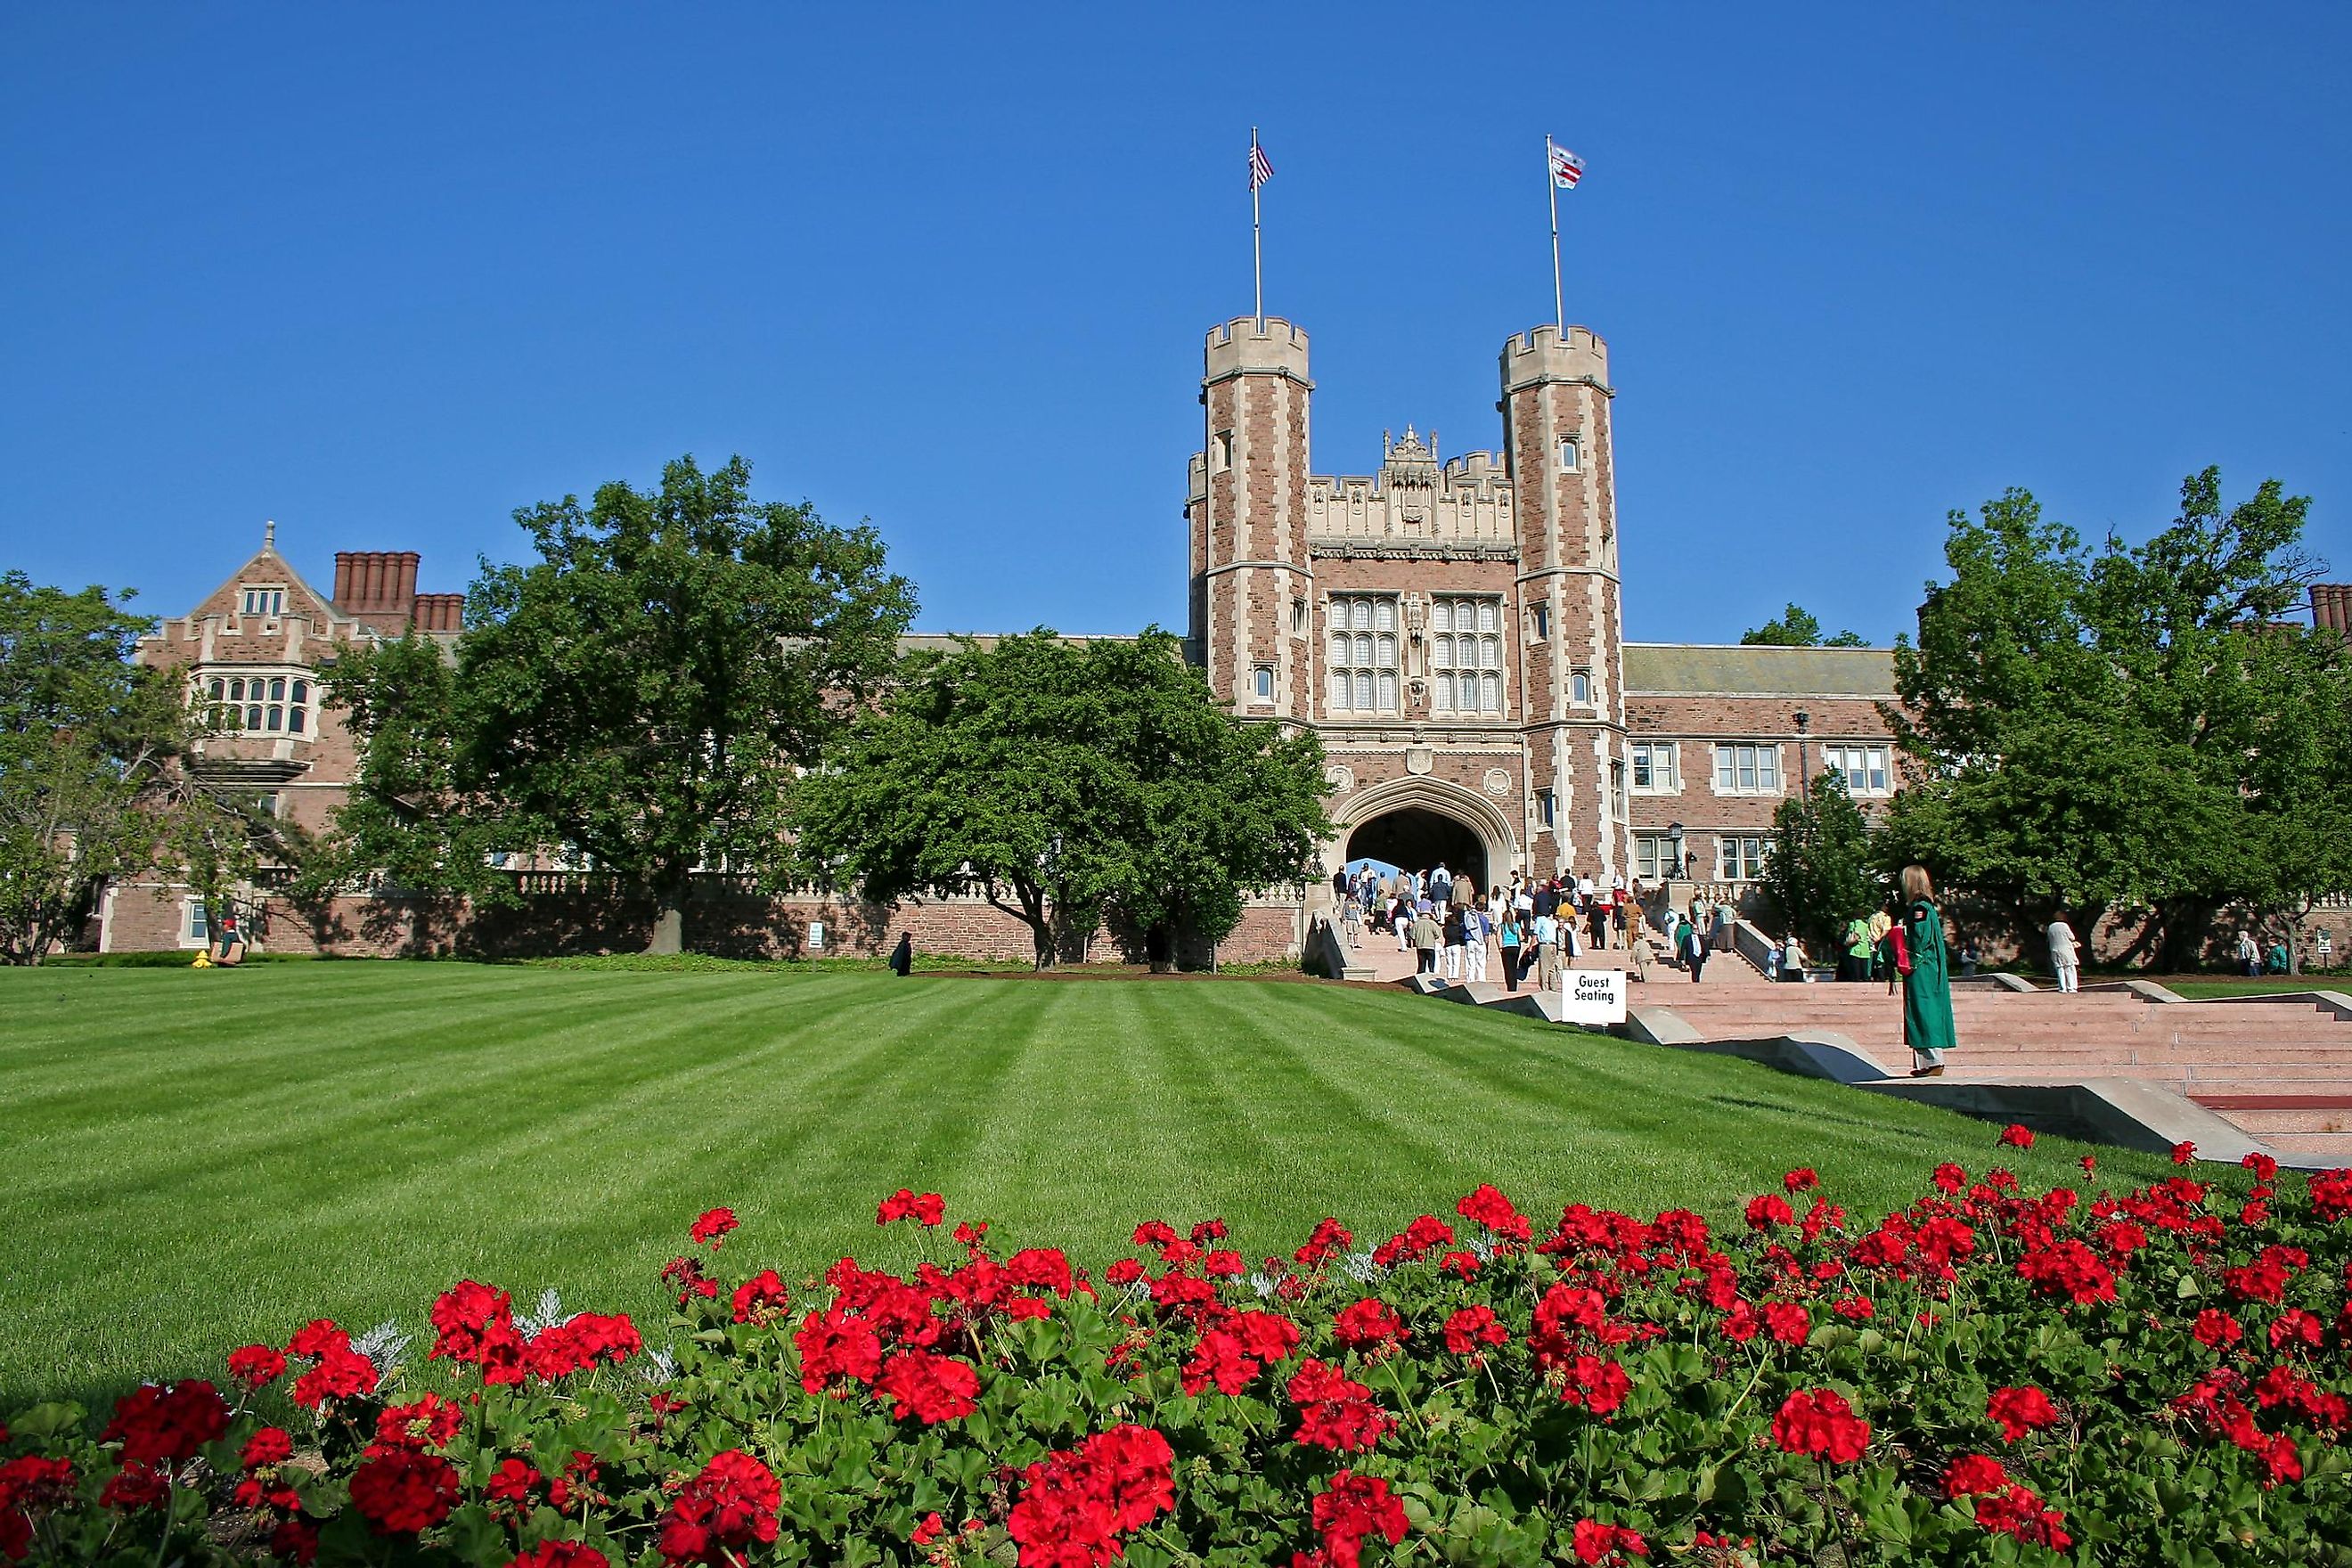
(1255, 345)
(1533, 358)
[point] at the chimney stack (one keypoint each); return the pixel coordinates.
(377, 587)
(2331, 606)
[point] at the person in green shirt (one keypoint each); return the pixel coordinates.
(1927, 970)
(1856, 963)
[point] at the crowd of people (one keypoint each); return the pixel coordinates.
(1529, 928)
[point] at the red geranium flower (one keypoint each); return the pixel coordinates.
(1804, 1179)
(430, 1423)
(1073, 1506)
(2016, 1511)
(931, 1388)
(711, 1228)
(1819, 1421)
(734, 1502)
(159, 1426)
(1367, 1325)
(401, 1491)
(1471, 1326)
(926, 1209)
(267, 1446)
(761, 1298)
(255, 1365)
(1351, 1508)
(1334, 1411)
(562, 1554)
(2184, 1151)
(1596, 1542)
(1490, 1208)
(1768, 1210)
(2017, 1136)
(2020, 1411)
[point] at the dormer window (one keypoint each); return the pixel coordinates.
(1569, 456)
(264, 601)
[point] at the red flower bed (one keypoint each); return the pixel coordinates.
(1987, 1376)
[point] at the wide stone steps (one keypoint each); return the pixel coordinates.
(2279, 1072)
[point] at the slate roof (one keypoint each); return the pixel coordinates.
(1687, 669)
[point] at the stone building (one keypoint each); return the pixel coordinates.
(1454, 628)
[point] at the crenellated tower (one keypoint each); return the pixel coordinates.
(1252, 577)
(1555, 406)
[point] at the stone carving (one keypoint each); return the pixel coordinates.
(1418, 760)
(1340, 777)
(1499, 783)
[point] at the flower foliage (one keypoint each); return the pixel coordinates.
(1989, 1375)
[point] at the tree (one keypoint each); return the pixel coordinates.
(84, 735)
(1798, 628)
(2108, 729)
(1821, 872)
(1061, 780)
(644, 693)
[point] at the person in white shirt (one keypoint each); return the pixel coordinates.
(1474, 930)
(2063, 958)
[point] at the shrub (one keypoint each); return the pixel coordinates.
(1989, 1375)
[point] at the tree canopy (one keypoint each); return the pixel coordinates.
(644, 693)
(2134, 726)
(1063, 782)
(1820, 873)
(1797, 626)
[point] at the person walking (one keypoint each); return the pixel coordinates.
(1695, 949)
(1638, 946)
(2061, 937)
(1400, 922)
(1925, 963)
(1854, 964)
(1440, 884)
(1792, 961)
(1474, 930)
(902, 957)
(1456, 939)
(1596, 910)
(2250, 957)
(1877, 967)
(1425, 939)
(1352, 922)
(1507, 937)
(1546, 953)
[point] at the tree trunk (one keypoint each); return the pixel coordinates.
(668, 935)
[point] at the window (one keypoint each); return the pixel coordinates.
(1738, 859)
(1539, 623)
(261, 704)
(1262, 682)
(265, 802)
(1466, 656)
(1580, 689)
(1544, 807)
(196, 927)
(1863, 768)
(1363, 650)
(1298, 618)
(264, 601)
(1654, 855)
(1617, 790)
(1656, 768)
(1747, 770)
(1568, 456)
(1222, 450)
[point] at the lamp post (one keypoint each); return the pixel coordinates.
(1675, 837)
(1804, 763)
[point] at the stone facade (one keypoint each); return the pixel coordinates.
(1453, 630)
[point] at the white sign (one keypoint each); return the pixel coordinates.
(816, 936)
(1592, 997)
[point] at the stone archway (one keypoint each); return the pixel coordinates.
(1415, 838)
(1428, 815)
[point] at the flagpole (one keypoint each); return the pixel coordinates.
(1551, 188)
(1257, 248)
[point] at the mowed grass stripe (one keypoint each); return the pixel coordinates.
(199, 1160)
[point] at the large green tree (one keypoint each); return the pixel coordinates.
(644, 693)
(2110, 727)
(1797, 626)
(1821, 872)
(1062, 781)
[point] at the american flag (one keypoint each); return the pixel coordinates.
(1567, 168)
(1261, 171)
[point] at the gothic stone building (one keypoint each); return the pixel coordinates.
(1452, 629)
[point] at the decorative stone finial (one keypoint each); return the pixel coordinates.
(270, 535)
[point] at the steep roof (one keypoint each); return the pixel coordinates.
(1714, 669)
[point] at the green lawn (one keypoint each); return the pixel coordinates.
(2240, 985)
(198, 1159)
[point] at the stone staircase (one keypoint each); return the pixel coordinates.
(2279, 1070)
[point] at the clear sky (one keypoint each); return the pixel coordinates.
(387, 273)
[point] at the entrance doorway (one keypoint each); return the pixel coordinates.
(1416, 838)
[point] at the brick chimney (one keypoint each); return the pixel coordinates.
(440, 613)
(377, 587)
(2331, 606)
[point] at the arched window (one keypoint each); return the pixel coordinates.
(1363, 648)
(301, 692)
(1262, 682)
(253, 715)
(1467, 642)
(237, 691)
(1568, 456)
(215, 688)
(294, 718)
(277, 718)
(1580, 688)
(278, 691)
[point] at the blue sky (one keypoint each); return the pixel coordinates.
(386, 274)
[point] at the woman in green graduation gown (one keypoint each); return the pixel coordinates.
(1927, 983)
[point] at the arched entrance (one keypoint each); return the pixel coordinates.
(1416, 838)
